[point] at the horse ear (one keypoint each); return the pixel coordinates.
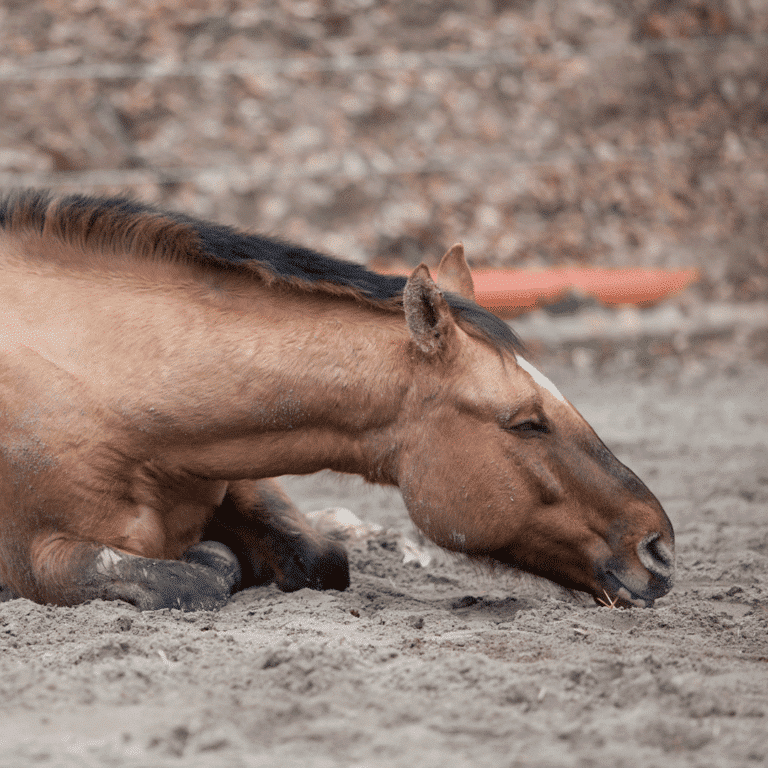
(453, 273)
(427, 314)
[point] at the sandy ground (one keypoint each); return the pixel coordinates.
(443, 665)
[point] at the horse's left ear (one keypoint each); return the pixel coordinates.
(428, 315)
(453, 273)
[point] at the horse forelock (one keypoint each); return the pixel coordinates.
(120, 225)
(484, 324)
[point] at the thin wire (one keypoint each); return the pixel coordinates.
(263, 172)
(45, 70)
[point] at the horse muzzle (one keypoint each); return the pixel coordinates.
(625, 585)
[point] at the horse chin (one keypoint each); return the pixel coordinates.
(623, 598)
(626, 591)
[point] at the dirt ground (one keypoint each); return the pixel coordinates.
(443, 664)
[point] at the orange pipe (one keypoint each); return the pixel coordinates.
(514, 291)
(517, 291)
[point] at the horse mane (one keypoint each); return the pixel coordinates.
(120, 225)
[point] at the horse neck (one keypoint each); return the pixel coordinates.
(274, 384)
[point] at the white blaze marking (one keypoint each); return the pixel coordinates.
(540, 378)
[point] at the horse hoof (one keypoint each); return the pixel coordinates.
(217, 556)
(202, 582)
(326, 570)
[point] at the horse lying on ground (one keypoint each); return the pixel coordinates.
(157, 371)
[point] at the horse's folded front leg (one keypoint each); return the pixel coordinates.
(68, 572)
(274, 541)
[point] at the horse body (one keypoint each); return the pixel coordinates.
(156, 373)
(226, 392)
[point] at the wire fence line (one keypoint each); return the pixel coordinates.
(52, 67)
(47, 68)
(341, 164)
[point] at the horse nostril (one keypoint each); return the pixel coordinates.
(656, 556)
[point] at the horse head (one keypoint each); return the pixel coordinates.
(504, 469)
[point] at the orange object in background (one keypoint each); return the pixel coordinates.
(512, 292)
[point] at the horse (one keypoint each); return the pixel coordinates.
(158, 372)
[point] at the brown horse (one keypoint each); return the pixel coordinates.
(156, 371)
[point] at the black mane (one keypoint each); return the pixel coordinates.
(78, 216)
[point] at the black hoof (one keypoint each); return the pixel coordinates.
(217, 556)
(325, 570)
(203, 582)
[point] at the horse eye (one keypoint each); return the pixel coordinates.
(530, 426)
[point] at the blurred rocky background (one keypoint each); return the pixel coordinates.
(538, 132)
